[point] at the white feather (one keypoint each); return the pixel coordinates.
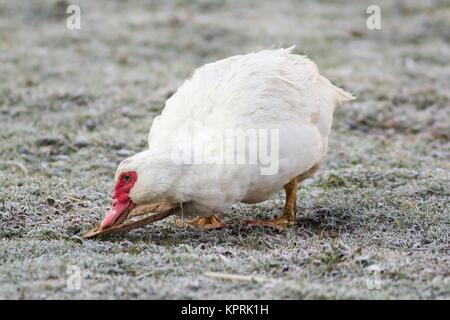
(269, 89)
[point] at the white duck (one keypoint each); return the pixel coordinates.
(271, 92)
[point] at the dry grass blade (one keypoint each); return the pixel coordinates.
(16, 164)
(233, 277)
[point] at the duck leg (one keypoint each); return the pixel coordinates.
(212, 222)
(287, 219)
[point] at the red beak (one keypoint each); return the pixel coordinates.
(118, 213)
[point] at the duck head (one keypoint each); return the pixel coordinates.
(142, 179)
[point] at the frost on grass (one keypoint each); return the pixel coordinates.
(75, 103)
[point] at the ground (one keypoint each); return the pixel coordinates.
(373, 223)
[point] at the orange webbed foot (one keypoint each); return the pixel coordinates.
(212, 222)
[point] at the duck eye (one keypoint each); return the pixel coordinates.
(127, 178)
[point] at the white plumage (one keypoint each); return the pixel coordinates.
(270, 89)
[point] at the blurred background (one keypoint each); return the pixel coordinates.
(75, 102)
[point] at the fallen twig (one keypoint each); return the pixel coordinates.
(164, 212)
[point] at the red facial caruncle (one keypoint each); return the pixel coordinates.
(122, 203)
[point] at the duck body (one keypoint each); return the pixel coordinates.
(268, 90)
(274, 95)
